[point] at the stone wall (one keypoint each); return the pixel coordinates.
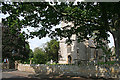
(106, 71)
(26, 68)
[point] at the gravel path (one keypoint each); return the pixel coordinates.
(18, 75)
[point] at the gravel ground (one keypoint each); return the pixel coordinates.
(18, 75)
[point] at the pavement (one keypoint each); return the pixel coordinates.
(18, 75)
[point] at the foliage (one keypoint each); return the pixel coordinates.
(45, 54)
(93, 19)
(14, 42)
(107, 53)
(39, 56)
(52, 49)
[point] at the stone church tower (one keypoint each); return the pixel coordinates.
(84, 51)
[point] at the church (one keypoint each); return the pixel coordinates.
(75, 52)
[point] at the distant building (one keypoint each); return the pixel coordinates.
(75, 52)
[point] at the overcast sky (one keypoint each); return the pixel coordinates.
(36, 42)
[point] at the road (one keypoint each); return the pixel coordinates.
(18, 75)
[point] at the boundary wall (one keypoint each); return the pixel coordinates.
(105, 71)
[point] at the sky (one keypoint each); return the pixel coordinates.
(111, 40)
(36, 42)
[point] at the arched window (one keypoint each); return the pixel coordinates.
(69, 59)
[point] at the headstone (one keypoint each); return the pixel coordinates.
(51, 61)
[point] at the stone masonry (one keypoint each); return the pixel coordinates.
(75, 52)
(106, 71)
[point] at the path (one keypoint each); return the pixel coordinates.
(18, 75)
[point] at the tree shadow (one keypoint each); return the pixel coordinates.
(20, 79)
(8, 70)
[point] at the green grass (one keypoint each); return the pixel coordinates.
(109, 62)
(59, 64)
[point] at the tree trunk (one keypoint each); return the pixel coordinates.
(116, 36)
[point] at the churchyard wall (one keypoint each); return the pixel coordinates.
(106, 71)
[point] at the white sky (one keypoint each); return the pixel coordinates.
(36, 42)
(111, 40)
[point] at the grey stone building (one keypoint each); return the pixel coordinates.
(75, 52)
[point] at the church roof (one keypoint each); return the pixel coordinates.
(91, 43)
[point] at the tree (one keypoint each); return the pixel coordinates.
(51, 50)
(45, 54)
(39, 56)
(108, 54)
(93, 19)
(14, 42)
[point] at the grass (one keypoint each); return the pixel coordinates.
(109, 62)
(59, 64)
